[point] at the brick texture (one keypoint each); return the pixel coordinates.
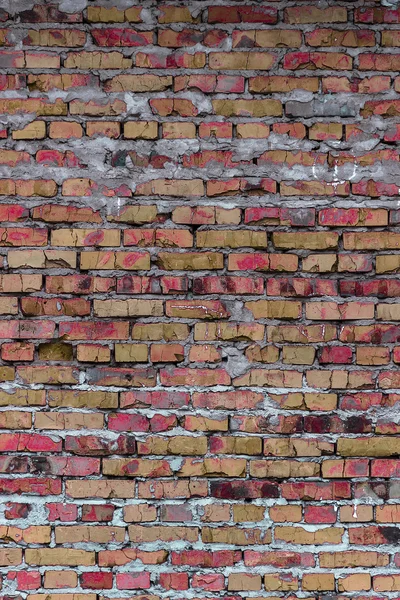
(199, 299)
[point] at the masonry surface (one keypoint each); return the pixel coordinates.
(199, 299)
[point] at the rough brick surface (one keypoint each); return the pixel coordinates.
(199, 299)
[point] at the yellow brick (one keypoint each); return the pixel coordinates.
(128, 308)
(146, 130)
(85, 237)
(131, 353)
(33, 131)
(176, 131)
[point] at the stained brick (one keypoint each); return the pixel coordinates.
(207, 190)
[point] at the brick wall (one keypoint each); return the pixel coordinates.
(199, 318)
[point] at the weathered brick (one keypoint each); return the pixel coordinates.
(189, 149)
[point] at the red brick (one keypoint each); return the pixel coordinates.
(241, 246)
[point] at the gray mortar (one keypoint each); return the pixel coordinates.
(95, 151)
